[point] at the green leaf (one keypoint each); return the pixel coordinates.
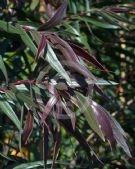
(27, 40)
(7, 27)
(21, 96)
(35, 164)
(29, 165)
(105, 82)
(98, 23)
(85, 108)
(34, 4)
(7, 109)
(3, 69)
(54, 62)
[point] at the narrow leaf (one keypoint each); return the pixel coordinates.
(85, 55)
(86, 109)
(77, 67)
(64, 47)
(26, 39)
(41, 47)
(3, 69)
(30, 165)
(104, 122)
(52, 101)
(97, 23)
(56, 19)
(27, 128)
(7, 27)
(45, 146)
(6, 157)
(107, 123)
(70, 114)
(56, 147)
(22, 96)
(7, 109)
(54, 62)
(119, 135)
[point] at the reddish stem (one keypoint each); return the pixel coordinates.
(24, 82)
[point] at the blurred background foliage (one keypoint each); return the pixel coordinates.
(90, 24)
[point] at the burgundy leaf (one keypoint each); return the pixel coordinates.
(41, 47)
(85, 55)
(56, 19)
(119, 9)
(110, 126)
(58, 110)
(56, 147)
(52, 101)
(104, 122)
(27, 128)
(49, 10)
(50, 87)
(64, 47)
(119, 137)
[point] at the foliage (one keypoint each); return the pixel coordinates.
(51, 82)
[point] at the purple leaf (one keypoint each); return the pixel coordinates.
(52, 101)
(56, 19)
(104, 121)
(64, 47)
(49, 10)
(58, 109)
(41, 47)
(110, 127)
(85, 55)
(27, 128)
(118, 9)
(50, 87)
(119, 135)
